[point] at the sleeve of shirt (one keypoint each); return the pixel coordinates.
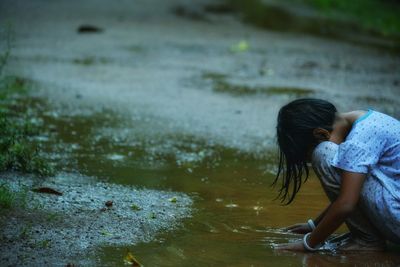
(355, 157)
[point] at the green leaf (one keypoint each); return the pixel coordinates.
(173, 199)
(241, 46)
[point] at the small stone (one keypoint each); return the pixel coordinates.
(89, 29)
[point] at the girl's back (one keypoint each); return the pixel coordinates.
(373, 147)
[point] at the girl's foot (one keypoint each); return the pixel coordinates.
(347, 242)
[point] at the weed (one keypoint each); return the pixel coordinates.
(26, 231)
(378, 15)
(52, 217)
(10, 198)
(135, 207)
(16, 151)
(44, 243)
(7, 197)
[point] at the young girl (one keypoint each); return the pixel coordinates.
(356, 156)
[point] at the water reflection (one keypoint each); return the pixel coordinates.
(235, 221)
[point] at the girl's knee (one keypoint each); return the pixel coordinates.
(322, 157)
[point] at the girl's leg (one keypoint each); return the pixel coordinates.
(383, 208)
(363, 233)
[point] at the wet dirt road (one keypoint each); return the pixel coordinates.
(171, 96)
(158, 61)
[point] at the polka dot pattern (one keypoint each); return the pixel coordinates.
(372, 147)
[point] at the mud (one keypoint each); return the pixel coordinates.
(51, 230)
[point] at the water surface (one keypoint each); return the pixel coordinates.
(235, 220)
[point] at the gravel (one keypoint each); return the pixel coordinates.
(46, 229)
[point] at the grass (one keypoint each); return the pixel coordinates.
(10, 198)
(378, 15)
(17, 153)
(7, 197)
(336, 19)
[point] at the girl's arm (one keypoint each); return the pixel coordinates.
(322, 215)
(304, 228)
(336, 213)
(340, 209)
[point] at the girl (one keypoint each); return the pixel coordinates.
(356, 156)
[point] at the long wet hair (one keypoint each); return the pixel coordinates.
(296, 122)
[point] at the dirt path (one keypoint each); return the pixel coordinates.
(173, 70)
(157, 61)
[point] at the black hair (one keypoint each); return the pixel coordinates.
(296, 122)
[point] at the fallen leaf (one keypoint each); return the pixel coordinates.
(47, 190)
(129, 259)
(241, 46)
(105, 233)
(173, 199)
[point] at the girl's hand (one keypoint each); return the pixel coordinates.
(296, 246)
(299, 228)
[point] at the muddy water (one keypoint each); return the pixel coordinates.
(234, 222)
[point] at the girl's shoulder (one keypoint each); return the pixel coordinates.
(374, 124)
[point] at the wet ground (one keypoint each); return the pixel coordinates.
(172, 95)
(65, 219)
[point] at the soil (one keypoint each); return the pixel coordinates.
(55, 230)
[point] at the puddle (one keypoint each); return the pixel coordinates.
(221, 85)
(234, 221)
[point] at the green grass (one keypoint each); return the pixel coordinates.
(379, 15)
(10, 199)
(7, 197)
(17, 153)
